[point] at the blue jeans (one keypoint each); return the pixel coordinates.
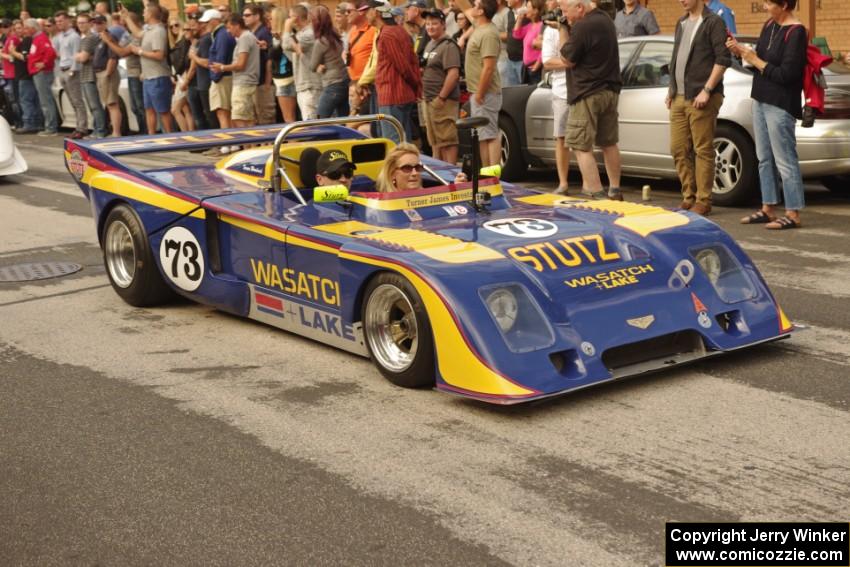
(137, 107)
(333, 101)
(43, 82)
(10, 87)
(776, 149)
(30, 111)
(96, 109)
(404, 114)
(510, 72)
(193, 97)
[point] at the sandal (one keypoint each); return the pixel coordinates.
(782, 223)
(759, 217)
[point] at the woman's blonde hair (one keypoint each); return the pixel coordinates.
(384, 183)
(173, 38)
(279, 16)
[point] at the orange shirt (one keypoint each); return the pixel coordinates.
(359, 49)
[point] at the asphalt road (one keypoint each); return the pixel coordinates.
(182, 435)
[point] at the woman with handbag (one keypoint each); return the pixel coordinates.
(779, 59)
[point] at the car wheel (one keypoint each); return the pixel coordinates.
(398, 332)
(513, 164)
(837, 183)
(735, 167)
(129, 261)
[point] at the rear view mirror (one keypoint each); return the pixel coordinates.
(330, 193)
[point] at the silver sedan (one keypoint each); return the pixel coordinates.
(824, 150)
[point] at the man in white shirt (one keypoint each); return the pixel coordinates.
(69, 71)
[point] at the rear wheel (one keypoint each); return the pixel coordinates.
(512, 162)
(398, 332)
(735, 167)
(129, 261)
(837, 183)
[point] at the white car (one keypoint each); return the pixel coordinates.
(11, 160)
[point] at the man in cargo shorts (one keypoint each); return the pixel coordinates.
(592, 59)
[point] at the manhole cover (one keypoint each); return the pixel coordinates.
(37, 271)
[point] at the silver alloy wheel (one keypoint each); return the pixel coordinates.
(505, 152)
(120, 254)
(391, 328)
(728, 165)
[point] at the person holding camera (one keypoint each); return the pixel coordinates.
(555, 34)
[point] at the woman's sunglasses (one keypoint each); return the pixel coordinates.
(346, 172)
(408, 168)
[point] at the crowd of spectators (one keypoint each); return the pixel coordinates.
(216, 69)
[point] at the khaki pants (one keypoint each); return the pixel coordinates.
(265, 104)
(692, 146)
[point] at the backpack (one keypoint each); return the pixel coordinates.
(814, 83)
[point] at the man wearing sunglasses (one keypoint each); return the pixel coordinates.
(334, 168)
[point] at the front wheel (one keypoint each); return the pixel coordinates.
(398, 332)
(735, 167)
(129, 261)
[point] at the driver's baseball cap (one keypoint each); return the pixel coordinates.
(211, 14)
(331, 161)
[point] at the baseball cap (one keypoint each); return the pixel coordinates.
(383, 8)
(331, 161)
(434, 14)
(98, 19)
(421, 4)
(211, 14)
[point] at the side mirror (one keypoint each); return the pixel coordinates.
(330, 193)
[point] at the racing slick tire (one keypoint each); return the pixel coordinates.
(398, 332)
(838, 184)
(736, 167)
(129, 260)
(513, 163)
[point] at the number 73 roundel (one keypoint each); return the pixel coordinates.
(181, 258)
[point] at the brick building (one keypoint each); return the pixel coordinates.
(833, 19)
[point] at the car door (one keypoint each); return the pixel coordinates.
(644, 118)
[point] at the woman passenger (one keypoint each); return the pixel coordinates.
(402, 170)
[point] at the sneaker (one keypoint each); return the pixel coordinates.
(561, 191)
(47, 133)
(27, 131)
(77, 135)
(615, 194)
(600, 194)
(686, 205)
(213, 152)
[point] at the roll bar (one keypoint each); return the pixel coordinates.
(280, 175)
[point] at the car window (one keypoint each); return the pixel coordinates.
(652, 66)
(627, 49)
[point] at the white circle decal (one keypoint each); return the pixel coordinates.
(522, 227)
(181, 258)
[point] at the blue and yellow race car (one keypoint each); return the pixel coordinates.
(507, 296)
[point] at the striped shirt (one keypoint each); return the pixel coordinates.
(397, 78)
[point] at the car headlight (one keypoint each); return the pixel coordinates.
(518, 317)
(710, 263)
(725, 273)
(503, 306)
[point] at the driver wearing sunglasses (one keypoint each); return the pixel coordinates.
(334, 168)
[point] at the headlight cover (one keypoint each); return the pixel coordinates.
(724, 271)
(518, 317)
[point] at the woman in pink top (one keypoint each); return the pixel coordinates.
(528, 28)
(13, 39)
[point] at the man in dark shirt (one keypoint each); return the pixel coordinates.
(694, 98)
(199, 54)
(592, 59)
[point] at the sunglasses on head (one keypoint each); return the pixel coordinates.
(408, 168)
(346, 172)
